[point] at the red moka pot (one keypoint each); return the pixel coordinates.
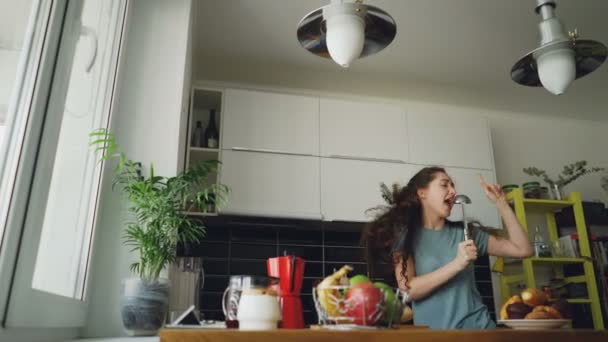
(290, 271)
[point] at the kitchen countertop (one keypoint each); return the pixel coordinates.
(399, 335)
(119, 339)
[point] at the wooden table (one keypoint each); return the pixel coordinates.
(403, 335)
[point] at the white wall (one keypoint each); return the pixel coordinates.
(549, 144)
(147, 122)
(520, 137)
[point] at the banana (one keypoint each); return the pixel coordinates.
(329, 298)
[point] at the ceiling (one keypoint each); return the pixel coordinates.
(469, 44)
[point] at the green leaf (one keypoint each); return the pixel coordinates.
(157, 204)
(569, 174)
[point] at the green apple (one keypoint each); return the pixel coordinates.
(383, 286)
(359, 278)
(393, 305)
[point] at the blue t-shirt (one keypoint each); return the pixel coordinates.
(456, 304)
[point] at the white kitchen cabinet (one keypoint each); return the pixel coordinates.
(350, 187)
(263, 121)
(481, 208)
(449, 136)
(268, 184)
(363, 130)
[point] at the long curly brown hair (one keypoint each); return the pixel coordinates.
(388, 239)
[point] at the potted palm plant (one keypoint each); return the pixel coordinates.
(159, 222)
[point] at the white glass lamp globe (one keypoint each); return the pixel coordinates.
(556, 70)
(345, 38)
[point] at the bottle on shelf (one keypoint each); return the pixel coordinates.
(211, 139)
(197, 136)
(541, 249)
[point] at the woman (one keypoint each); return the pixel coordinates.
(431, 261)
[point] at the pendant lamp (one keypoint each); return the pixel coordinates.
(346, 30)
(560, 59)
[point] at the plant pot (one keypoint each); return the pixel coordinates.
(556, 192)
(144, 305)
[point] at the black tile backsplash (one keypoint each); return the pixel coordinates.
(216, 266)
(241, 245)
(309, 253)
(210, 250)
(301, 237)
(251, 267)
(485, 288)
(344, 253)
(358, 268)
(308, 284)
(248, 233)
(253, 251)
(313, 269)
(482, 270)
(341, 237)
(213, 301)
(214, 283)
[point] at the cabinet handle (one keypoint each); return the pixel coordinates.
(384, 160)
(263, 150)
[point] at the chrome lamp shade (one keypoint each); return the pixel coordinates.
(380, 30)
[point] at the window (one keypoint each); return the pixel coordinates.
(69, 212)
(58, 214)
(16, 40)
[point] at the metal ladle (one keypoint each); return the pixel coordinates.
(462, 200)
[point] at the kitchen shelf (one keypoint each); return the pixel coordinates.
(198, 154)
(549, 208)
(198, 213)
(579, 300)
(542, 204)
(559, 260)
(204, 149)
(548, 260)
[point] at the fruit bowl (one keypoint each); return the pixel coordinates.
(359, 306)
(534, 324)
(533, 304)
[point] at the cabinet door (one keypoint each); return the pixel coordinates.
(363, 130)
(266, 184)
(449, 136)
(480, 209)
(256, 120)
(350, 187)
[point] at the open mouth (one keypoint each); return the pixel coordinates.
(449, 201)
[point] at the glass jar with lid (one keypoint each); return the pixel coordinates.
(544, 192)
(531, 190)
(509, 187)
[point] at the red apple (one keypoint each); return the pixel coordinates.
(364, 303)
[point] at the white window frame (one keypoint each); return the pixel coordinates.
(23, 133)
(20, 305)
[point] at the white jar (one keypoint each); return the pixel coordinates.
(258, 310)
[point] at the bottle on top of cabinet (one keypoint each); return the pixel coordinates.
(211, 137)
(197, 136)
